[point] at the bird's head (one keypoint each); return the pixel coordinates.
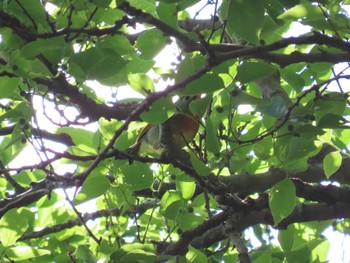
(183, 103)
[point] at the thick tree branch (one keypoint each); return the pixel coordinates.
(215, 229)
(245, 219)
(257, 183)
(297, 57)
(314, 39)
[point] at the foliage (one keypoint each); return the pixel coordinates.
(274, 130)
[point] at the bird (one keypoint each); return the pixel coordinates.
(172, 135)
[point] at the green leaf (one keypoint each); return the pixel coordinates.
(21, 67)
(332, 121)
(82, 138)
(331, 163)
(138, 65)
(263, 149)
(239, 98)
(125, 140)
(96, 63)
(190, 220)
(20, 253)
(11, 146)
(21, 110)
(289, 3)
(94, 186)
(117, 43)
(211, 140)
(137, 176)
(305, 10)
(159, 111)
(264, 258)
(109, 16)
(189, 65)
(293, 147)
(249, 11)
(195, 256)
(185, 185)
(200, 106)
(102, 3)
(199, 166)
(84, 254)
(183, 4)
(141, 83)
(321, 251)
(150, 43)
(134, 253)
(293, 79)
(333, 103)
(33, 9)
(8, 86)
(286, 238)
(341, 138)
(301, 242)
(12, 226)
(167, 13)
(38, 69)
(251, 71)
(169, 1)
(282, 200)
(26, 177)
(53, 49)
(107, 128)
(207, 83)
(145, 5)
(170, 204)
(321, 67)
(139, 256)
(238, 164)
(276, 107)
(9, 41)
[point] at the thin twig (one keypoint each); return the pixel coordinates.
(18, 188)
(82, 220)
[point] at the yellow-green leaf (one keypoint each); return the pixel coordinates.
(331, 163)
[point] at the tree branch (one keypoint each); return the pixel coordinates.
(60, 138)
(37, 190)
(181, 246)
(141, 209)
(88, 107)
(245, 219)
(296, 57)
(142, 17)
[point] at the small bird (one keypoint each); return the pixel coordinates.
(174, 134)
